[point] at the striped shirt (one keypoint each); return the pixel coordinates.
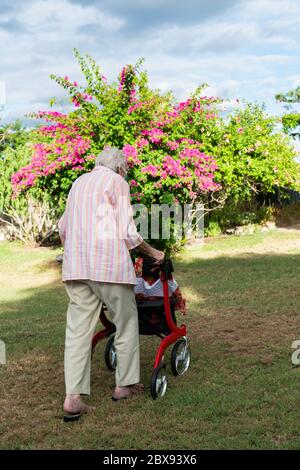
(97, 229)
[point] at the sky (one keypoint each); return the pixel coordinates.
(244, 49)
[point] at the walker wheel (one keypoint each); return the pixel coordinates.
(110, 355)
(180, 357)
(159, 382)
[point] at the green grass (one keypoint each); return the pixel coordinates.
(241, 391)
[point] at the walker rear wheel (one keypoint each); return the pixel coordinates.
(180, 357)
(110, 355)
(159, 382)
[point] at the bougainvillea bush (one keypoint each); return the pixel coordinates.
(166, 165)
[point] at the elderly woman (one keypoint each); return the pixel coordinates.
(97, 230)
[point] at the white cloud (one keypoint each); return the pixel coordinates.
(264, 9)
(62, 15)
(250, 51)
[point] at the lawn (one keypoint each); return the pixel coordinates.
(241, 392)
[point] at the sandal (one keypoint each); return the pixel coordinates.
(71, 416)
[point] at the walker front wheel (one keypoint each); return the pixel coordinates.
(159, 382)
(110, 355)
(180, 357)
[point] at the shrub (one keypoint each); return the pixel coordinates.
(28, 217)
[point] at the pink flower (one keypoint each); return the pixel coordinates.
(76, 102)
(122, 79)
(66, 148)
(182, 105)
(155, 135)
(142, 143)
(131, 155)
(173, 145)
(172, 167)
(87, 97)
(136, 106)
(150, 170)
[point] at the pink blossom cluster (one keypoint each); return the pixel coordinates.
(51, 131)
(136, 106)
(198, 106)
(151, 170)
(173, 113)
(210, 116)
(122, 79)
(172, 166)
(132, 92)
(182, 105)
(166, 121)
(193, 155)
(172, 145)
(50, 115)
(131, 155)
(132, 95)
(77, 99)
(137, 196)
(155, 135)
(141, 142)
(69, 83)
(206, 183)
(66, 148)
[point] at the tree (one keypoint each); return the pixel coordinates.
(12, 135)
(291, 120)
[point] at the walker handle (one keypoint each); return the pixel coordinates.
(167, 268)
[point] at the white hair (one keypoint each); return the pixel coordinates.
(112, 158)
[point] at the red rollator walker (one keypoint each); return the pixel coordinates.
(156, 317)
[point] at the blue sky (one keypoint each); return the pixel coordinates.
(246, 49)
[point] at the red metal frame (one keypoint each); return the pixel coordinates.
(176, 332)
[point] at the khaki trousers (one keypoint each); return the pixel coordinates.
(82, 317)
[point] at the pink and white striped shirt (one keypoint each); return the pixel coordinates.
(97, 229)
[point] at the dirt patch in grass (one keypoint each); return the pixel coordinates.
(243, 334)
(31, 394)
